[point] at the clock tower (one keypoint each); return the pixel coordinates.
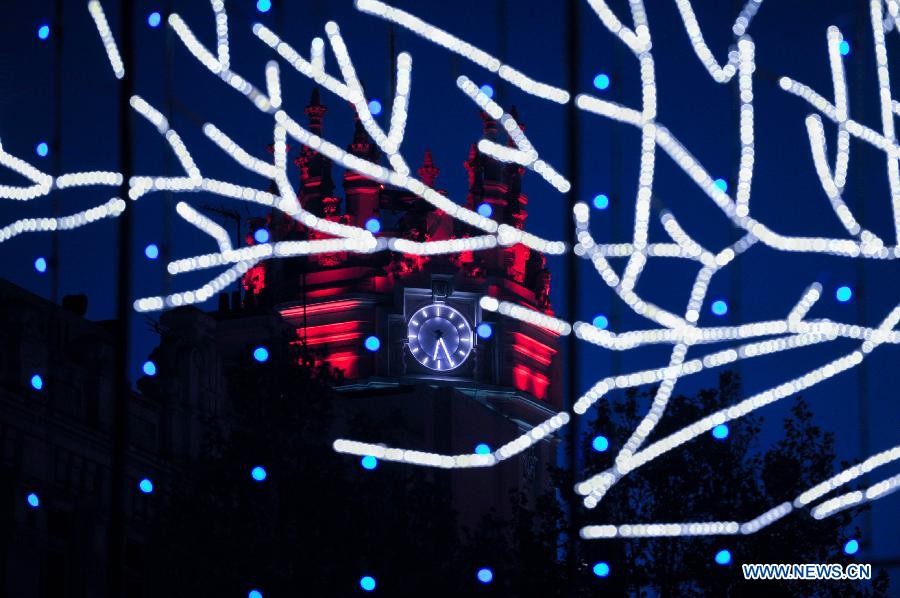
(407, 331)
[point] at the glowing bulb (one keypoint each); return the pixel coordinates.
(485, 575)
(37, 382)
(369, 462)
(601, 569)
(40, 265)
(261, 235)
(601, 81)
(601, 202)
(367, 583)
(263, 5)
(720, 432)
(375, 107)
(258, 473)
(487, 90)
(600, 443)
(723, 557)
(844, 294)
(851, 547)
(154, 19)
(44, 31)
(34, 502)
(844, 47)
(373, 225)
(42, 149)
(485, 209)
(373, 343)
(482, 449)
(151, 251)
(484, 330)
(720, 308)
(601, 321)
(261, 354)
(254, 594)
(149, 368)
(721, 184)
(146, 486)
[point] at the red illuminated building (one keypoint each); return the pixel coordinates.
(504, 384)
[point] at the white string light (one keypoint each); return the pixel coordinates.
(106, 36)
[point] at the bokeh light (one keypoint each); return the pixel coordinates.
(719, 307)
(601, 81)
(601, 321)
(43, 31)
(33, 500)
(369, 462)
(37, 382)
(258, 473)
(40, 265)
(373, 343)
(367, 583)
(484, 330)
(482, 449)
(720, 432)
(485, 575)
(601, 569)
(263, 5)
(151, 251)
(844, 294)
(375, 107)
(485, 209)
(600, 443)
(851, 547)
(373, 225)
(261, 354)
(154, 19)
(723, 557)
(487, 90)
(146, 486)
(149, 368)
(601, 202)
(261, 235)
(42, 149)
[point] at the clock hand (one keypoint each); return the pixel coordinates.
(437, 346)
(446, 352)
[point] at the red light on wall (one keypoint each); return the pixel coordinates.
(528, 380)
(533, 349)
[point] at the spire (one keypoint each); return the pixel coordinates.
(490, 126)
(315, 111)
(428, 172)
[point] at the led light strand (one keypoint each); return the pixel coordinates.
(111, 209)
(106, 36)
(464, 49)
(848, 475)
(857, 497)
(207, 225)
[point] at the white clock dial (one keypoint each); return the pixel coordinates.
(439, 337)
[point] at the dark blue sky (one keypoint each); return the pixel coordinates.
(790, 38)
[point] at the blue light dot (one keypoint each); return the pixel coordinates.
(261, 354)
(601, 569)
(601, 81)
(154, 19)
(44, 31)
(146, 486)
(375, 107)
(485, 575)
(600, 443)
(720, 432)
(254, 594)
(373, 343)
(263, 5)
(720, 308)
(482, 449)
(258, 473)
(601, 202)
(42, 149)
(37, 382)
(367, 583)
(149, 368)
(40, 265)
(721, 184)
(373, 225)
(487, 90)
(844, 47)
(485, 209)
(484, 330)
(261, 235)
(151, 251)
(601, 321)
(369, 462)
(723, 557)
(851, 547)
(34, 502)
(844, 294)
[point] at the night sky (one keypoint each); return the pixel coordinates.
(790, 40)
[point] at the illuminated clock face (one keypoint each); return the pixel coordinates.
(440, 338)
